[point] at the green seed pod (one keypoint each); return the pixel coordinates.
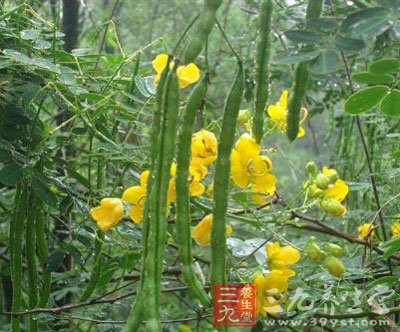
(154, 214)
(334, 266)
(183, 237)
(200, 31)
(311, 169)
(262, 68)
(334, 249)
(322, 181)
(222, 178)
(30, 254)
(295, 102)
(16, 235)
(158, 200)
(314, 8)
(313, 251)
(332, 206)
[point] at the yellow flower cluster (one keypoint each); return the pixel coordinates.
(327, 188)
(277, 113)
(248, 167)
(187, 75)
(111, 210)
(272, 286)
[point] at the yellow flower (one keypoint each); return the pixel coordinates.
(187, 74)
(395, 228)
(136, 196)
(365, 230)
(204, 147)
(278, 112)
(281, 257)
(339, 189)
(270, 288)
(108, 214)
(201, 233)
(249, 167)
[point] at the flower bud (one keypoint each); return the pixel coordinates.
(332, 206)
(243, 117)
(334, 249)
(334, 266)
(313, 251)
(314, 192)
(333, 177)
(322, 181)
(311, 169)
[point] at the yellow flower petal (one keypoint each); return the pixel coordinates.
(188, 75)
(395, 228)
(197, 170)
(143, 178)
(160, 62)
(281, 257)
(134, 195)
(136, 213)
(109, 213)
(239, 173)
(247, 148)
(283, 99)
(204, 147)
(338, 190)
(265, 184)
(201, 233)
(196, 188)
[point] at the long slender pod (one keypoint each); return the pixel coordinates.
(182, 193)
(16, 237)
(99, 241)
(159, 202)
(222, 177)
(201, 29)
(43, 252)
(96, 270)
(314, 8)
(295, 102)
(262, 68)
(31, 262)
(135, 316)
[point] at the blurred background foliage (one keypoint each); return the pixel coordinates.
(76, 92)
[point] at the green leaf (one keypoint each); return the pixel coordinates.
(365, 100)
(384, 66)
(388, 280)
(29, 34)
(372, 78)
(43, 191)
(11, 174)
(290, 58)
(348, 44)
(323, 23)
(327, 62)
(305, 37)
(391, 247)
(367, 22)
(390, 105)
